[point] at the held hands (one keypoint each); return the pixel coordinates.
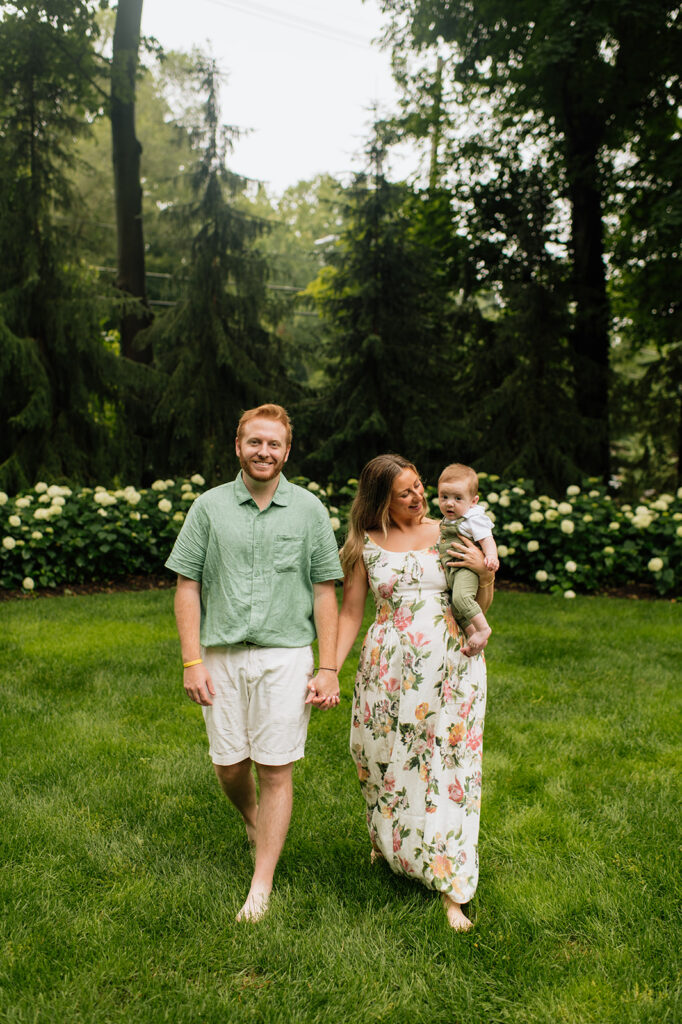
(324, 689)
(198, 685)
(492, 562)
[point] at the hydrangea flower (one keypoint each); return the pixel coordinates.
(532, 545)
(570, 566)
(569, 594)
(541, 576)
(27, 583)
(567, 526)
(9, 543)
(564, 508)
(164, 505)
(14, 521)
(198, 479)
(572, 490)
(655, 564)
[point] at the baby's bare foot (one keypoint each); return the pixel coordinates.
(456, 916)
(476, 641)
(255, 907)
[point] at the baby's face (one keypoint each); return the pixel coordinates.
(455, 498)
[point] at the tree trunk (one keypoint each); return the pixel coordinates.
(128, 190)
(590, 335)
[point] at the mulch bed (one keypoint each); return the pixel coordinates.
(634, 592)
(126, 583)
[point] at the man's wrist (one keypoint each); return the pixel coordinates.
(324, 668)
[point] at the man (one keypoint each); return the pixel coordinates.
(256, 561)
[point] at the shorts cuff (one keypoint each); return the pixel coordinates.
(274, 760)
(230, 758)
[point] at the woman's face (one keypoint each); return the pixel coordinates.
(407, 497)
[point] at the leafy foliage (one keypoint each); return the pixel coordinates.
(55, 374)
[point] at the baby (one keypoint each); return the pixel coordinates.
(458, 499)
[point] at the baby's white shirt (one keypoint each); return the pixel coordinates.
(476, 524)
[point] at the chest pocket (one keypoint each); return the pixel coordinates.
(289, 553)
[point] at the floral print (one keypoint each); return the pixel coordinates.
(417, 725)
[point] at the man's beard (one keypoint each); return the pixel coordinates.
(274, 467)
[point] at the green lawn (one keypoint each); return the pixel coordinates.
(123, 865)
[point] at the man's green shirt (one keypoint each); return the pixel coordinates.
(256, 568)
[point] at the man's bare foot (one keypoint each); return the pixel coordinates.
(476, 641)
(456, 917)
(255, 907)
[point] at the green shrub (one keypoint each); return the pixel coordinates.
(53, 535)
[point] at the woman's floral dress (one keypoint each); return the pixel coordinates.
(417, 726)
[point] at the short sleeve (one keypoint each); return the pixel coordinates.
(480, 525)
(189, 551)
(324, 560)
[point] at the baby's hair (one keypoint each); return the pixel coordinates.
(456, 471)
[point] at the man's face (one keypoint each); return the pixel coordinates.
(262, 449)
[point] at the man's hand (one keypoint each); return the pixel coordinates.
(324, 689)
(198, 685)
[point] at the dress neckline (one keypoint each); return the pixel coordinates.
(409, 551)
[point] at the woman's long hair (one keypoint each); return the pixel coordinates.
(369, 510)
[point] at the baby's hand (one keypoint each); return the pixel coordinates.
(492, 562)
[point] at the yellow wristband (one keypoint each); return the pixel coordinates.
(188, 664)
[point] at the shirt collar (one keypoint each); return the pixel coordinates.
(281, 496)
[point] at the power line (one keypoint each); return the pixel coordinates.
(294, 21)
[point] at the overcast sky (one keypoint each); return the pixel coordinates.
(302, 74)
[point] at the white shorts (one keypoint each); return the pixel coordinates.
(259, 708)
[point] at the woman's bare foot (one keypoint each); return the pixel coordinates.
(255, 906)
(375, 856)
(456, 916)
(476, 641)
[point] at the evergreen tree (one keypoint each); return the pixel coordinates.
(55, 374)
(385, 298)
(518, 284)
(212, 349)
(585, 80)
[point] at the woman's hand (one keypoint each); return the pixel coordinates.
(467, 555)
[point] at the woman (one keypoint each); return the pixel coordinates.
(419, 702)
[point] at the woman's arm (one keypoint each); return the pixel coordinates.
(468, 555)
(355, 589)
